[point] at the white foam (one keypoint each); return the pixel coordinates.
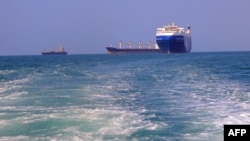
(115, 123)
(11, 91)
(6, 72)
(16, 138)
(209, 101)
(216, 136)
(214, 100)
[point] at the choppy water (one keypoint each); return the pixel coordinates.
(169, 97)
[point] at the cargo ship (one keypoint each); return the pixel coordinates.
(174, 39)
(169, 39)
(130, 49)
(60, 51)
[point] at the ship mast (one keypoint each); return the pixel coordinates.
(149, 45)
(130, 44)
(61, 48)
(139, 44)
(120, 44)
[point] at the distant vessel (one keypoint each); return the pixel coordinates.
(169, 39)
(60, 51)
(174, 39)
(130, 49)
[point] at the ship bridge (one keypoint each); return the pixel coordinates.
(172, 29)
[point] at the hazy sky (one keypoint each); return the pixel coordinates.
(88, 26)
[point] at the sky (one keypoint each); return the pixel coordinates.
(88, 26)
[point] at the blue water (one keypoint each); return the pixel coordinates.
(169, 97)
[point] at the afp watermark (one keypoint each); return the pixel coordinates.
(237, 132)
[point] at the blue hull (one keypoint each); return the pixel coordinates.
(174, 44)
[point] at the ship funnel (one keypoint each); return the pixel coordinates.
(188, 30)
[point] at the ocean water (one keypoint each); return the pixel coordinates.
(168, 97)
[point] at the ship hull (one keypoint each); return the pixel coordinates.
(174, 43)
(54, 53)
(113, 50)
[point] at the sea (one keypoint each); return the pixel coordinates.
(123, 97)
